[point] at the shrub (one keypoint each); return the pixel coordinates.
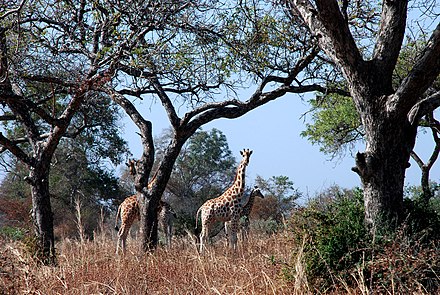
(334, 225)
(341, 254)
(12, 233)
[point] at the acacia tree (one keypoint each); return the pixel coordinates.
(389, 115)
(336, 126)
(208, 52)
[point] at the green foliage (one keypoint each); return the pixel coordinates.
(12, 233)
(209, 153)
(335, 124)
(339, 248)
(101, 139)
(266, 226)
(334, 226)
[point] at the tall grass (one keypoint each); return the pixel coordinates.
(91, 267)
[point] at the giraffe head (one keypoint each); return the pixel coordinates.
(246, 154)
(131, 166)
(256, 192)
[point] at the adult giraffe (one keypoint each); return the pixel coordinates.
(227, 207)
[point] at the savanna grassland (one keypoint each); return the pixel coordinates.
(324, 248)
(91, 267)
(267, 264)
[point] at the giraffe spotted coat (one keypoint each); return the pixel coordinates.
(227, 207)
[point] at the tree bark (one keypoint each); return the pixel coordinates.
(42, 214)
(382, 169)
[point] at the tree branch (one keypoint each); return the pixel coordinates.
(423, 108)
(15, 150)
(166, 102)
(390, 36)
(14, 10)
(328, 25)
(424, 72)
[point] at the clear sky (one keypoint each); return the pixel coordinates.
(272, 131)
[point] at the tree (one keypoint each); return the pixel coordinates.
(73, 178)
(181, 57)
(389, 115)
(280, 192)
(336, 126)
(43, 86)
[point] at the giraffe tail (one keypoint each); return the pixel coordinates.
(117, 217)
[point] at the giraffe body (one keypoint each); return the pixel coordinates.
(129, 211)
(245, 213)
(227, 207)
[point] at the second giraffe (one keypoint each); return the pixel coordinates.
(227, 207)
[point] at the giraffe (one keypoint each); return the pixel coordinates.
(245, 213)
(129, 211)
(226, 207)
(165, 220)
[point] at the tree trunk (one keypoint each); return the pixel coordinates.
(149, 224)
(42, 215)
(382, 169)
(150, 200)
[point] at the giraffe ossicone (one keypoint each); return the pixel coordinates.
(227, 207)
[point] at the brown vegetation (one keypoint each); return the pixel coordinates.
(92, 268)
(273, 264)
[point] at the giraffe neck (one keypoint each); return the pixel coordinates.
(238, 186)
(247, 208)
(153, 180)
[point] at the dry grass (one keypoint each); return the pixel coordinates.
(267, 265)
(91, 267)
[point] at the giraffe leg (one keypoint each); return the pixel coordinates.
(227, 232)
(234, 227)
(122, 239)
(245, 230)
(169, 235)
(204, 235)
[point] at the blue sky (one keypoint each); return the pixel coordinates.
(272, 131)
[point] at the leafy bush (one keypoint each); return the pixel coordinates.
(334, 225)
(340, 252)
